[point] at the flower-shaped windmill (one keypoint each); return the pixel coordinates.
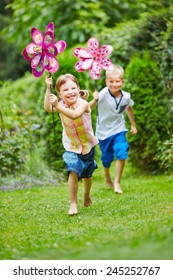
(42, 53)
(94, 59)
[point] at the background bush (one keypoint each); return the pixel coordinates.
(152, 112)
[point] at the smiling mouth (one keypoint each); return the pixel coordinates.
(71, 96)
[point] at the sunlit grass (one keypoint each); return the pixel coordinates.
(135, 225)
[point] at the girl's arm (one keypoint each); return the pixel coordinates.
(70, 113)
(47, 104)
(130, 114)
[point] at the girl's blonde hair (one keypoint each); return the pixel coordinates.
(62, 79)
(116, 70)
(84, 93)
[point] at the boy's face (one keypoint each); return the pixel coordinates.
(114, 82)
(69, 92)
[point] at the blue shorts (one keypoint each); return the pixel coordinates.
(82, 165)
(114, 146)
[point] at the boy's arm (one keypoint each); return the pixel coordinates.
(131, 117)
(93, 102)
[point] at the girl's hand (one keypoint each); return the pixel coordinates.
(53, 100)
(48, 81)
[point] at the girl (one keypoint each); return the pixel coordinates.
(78, 137)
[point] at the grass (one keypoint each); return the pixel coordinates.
(135, 225)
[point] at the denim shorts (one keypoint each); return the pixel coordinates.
(114, 146)
(82, 165)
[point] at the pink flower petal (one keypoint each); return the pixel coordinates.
(82, 53)
(105, 50)
(106, 63)
(48, 39)
(46, 61)
(78, 66)
(37, 36)
(50, 27)
(87, 63)
(93, 45)
(51, 51)
(33, 49)
(35, 61)
(39, 70)
(95, 70)
(60, 45)
(53, 64)
(26, 55)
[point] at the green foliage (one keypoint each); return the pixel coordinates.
(74, 21)
(166, 55)
(148, 32)
(11, 155)
(20, 123)
(81, 20)
(136, 225)
(152, 111)
(165, 156)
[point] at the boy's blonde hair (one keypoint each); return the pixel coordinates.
(116, 70)
(62, 79)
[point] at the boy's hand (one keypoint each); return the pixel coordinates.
(133, 130)
(96, 95)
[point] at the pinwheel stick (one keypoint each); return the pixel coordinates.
(95, 82)
(53, 117)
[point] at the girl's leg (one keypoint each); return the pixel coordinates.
(73, 188)
(119, 170)
(109, 182)
(87, 187)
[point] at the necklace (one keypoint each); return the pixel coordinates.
(117, 100)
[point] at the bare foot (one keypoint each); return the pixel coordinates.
(117, 188)
(109, 183)
(87, 201)
(73, 209)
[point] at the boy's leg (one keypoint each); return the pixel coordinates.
(73, 188)
(119, 170)
(106, 147)
(87, 187)
(109, 182)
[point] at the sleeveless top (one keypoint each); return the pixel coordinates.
(78, 135)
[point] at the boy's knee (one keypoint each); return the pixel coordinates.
(106, 164)
(121, 150)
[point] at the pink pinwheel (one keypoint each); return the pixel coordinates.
(93, 59)
(42, 51)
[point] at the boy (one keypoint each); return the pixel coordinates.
(110, 129)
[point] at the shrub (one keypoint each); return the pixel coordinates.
(152, 112)
(20, 123)
(165, 156)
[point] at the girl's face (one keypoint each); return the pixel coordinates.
(69, 92)
(114, 82)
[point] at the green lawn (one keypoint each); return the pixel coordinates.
(136, 225)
